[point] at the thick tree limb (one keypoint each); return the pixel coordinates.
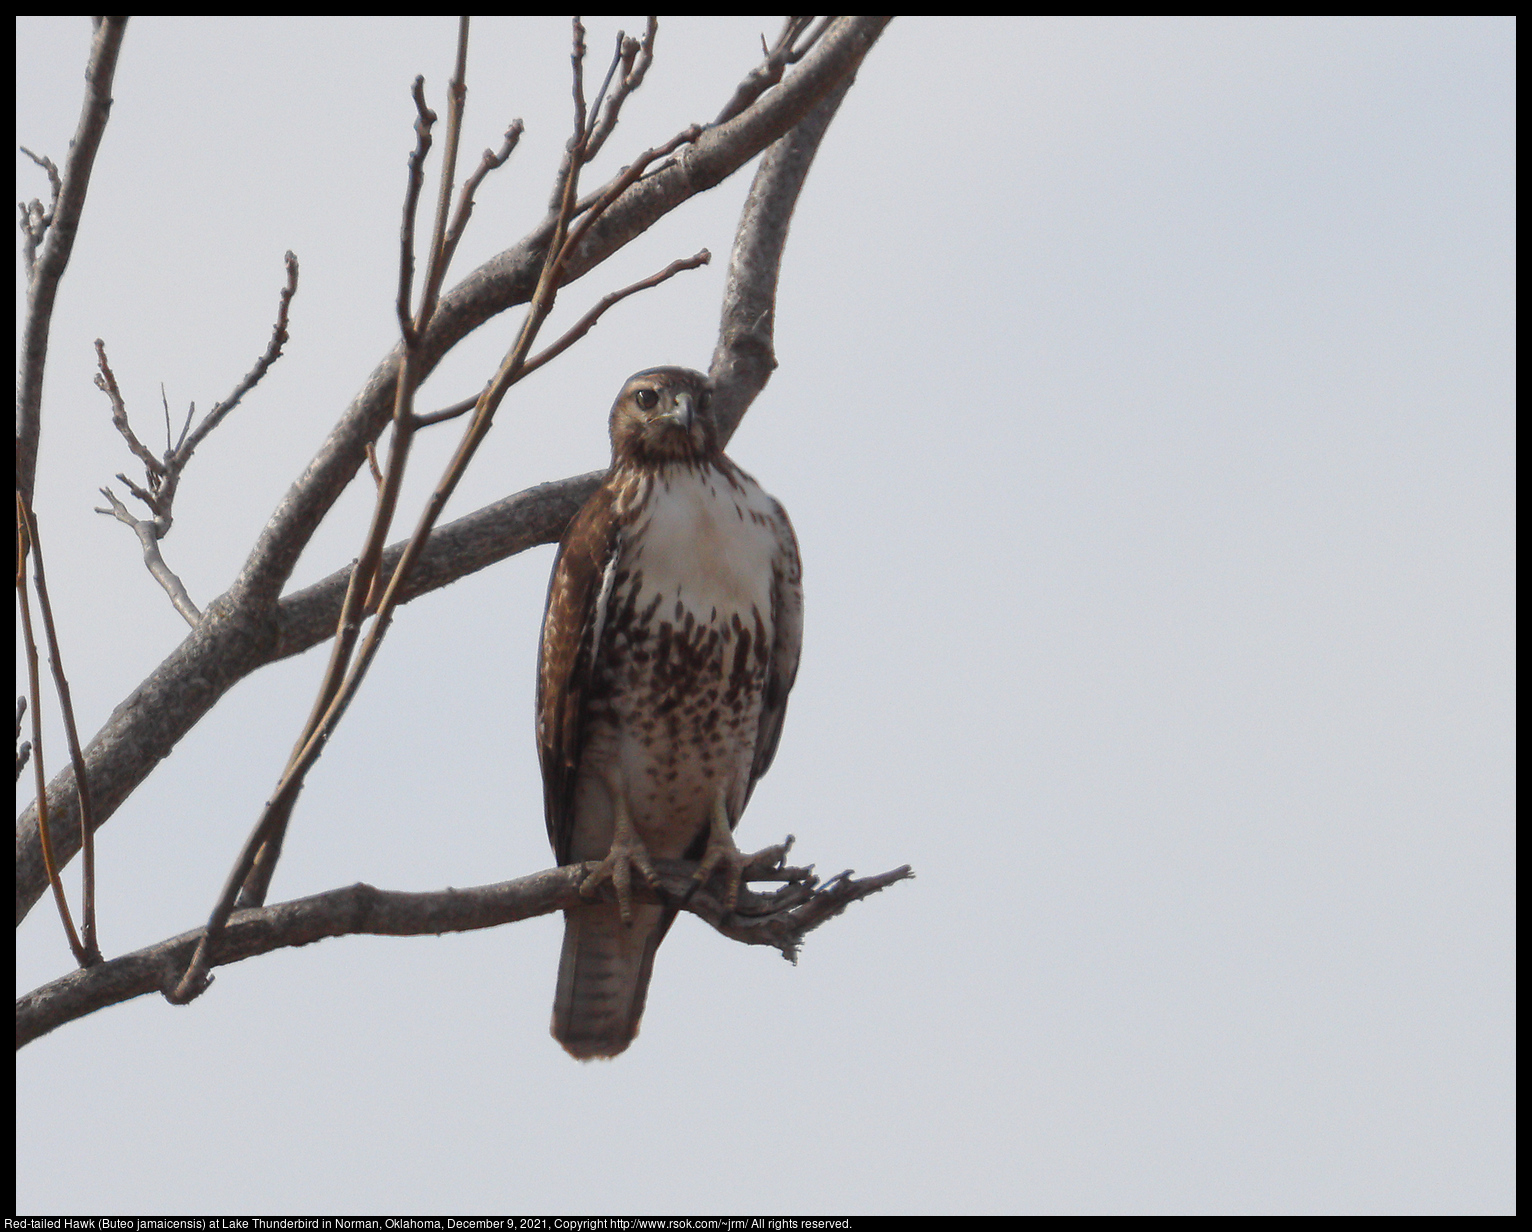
(780, 919)
(744, 358)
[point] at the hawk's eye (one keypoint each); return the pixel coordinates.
(647, 399)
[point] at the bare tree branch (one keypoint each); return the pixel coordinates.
(635, 56)
(224, 650)
(744, 358)
(148, 532)
(492, 160)
(273, 352)
(35, 219)
(163, 476)
(106, 382)
(455, 411)
(23, 747)
(780, 919)
(248, 627)
(256, 862)
(60, 225)
(769, 72)
(585, 324)
(88, 952)
(475, 541)
(24, 541)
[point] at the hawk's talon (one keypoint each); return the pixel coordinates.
(621, 860)
(733, 872)
(721, 850)
(769, 860)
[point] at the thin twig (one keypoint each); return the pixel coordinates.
(24, 747)
(619, 54)
(191, 413)
(628, 176)
(424, 119)
(583, 326)
(92, 952)
(35, 220)
(637, 55)
(491, 160)
(272, 353)
(34, 691)
(106, 381)
(457, 95)
(455, 411)
(372, 465)
(165, 404)
(577, 60)
(574, 147)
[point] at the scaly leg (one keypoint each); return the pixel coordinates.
(627, 853)
(721, 850)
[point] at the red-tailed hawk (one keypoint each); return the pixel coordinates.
(670, 642)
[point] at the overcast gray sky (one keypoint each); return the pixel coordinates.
(1145, 414)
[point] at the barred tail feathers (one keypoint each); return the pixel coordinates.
(604, 972)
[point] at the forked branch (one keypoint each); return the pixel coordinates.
(162, 476)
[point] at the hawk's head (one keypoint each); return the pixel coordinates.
(662, 415)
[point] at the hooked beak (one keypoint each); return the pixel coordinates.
(684, 412)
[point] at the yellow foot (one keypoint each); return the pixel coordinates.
(721, 852)
(627, 853)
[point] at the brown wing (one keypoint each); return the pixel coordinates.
(786, 646)
(577, 595)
